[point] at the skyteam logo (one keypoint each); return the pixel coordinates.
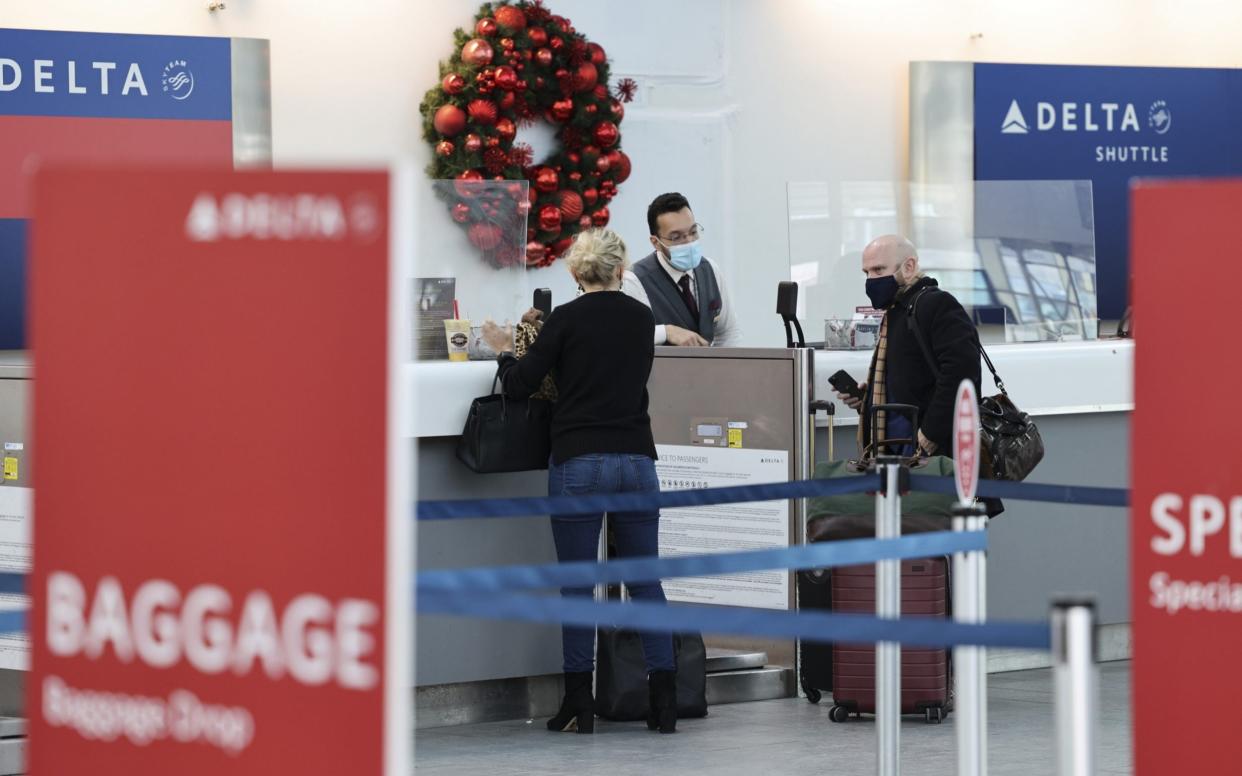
(1159, 118)
(1015, 122)
(178, 80)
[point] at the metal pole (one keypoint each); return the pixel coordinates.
(981, 653)
(965, 706)
(888, 606)
(1074, 685)
(970, 662)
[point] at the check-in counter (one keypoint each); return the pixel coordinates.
(1080, 394)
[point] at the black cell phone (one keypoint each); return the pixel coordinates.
(842, 382)
(543, 301)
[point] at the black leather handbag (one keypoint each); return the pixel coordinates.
(503, 434)
(621, 676)
(1010, 443)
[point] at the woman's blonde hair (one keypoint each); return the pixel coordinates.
(595, 256)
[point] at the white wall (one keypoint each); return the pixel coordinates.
(738, 97)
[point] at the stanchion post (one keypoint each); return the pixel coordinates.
(1074, 685)
(970, 662)
(888, 606)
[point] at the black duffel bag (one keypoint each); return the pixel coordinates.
(503, 434)
(621, 675)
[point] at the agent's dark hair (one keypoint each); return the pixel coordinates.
(671, 202)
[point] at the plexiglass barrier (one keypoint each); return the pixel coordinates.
(1018, 255)
(469, 264)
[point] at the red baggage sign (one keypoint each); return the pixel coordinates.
(966, 442)
(1186, 486)
(213, 570)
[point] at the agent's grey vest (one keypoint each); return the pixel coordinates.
(666, 303)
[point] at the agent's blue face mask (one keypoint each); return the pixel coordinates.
(882, 291)
(684, 257)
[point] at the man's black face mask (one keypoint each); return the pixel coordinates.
(882, 291)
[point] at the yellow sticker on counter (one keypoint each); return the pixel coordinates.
(10, 468)
(735, 437)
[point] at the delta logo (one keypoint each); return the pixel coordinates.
(1113, 117)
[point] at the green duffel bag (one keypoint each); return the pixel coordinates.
(852, 515)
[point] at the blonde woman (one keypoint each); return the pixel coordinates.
(599, 347)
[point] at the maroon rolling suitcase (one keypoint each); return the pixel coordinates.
(926, 675)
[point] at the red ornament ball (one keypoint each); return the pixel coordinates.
(444, 148)
(598, 57)
(449, 120)
(534, 252)
(590, 109)
(506, 78)
(586, 77)
(571, 205)
(467, 183)
(606, 134)
(485, 237)
(507, 44)
(484, 112)
(543, 57)
(506, 129)
(562, 110)
(618, 110)
(546, 180)
(473, 143)
(608, 189)
(560, 246)
(550, 218)
(506, 100)
(477, 52)
(556, 44)
(589, 195)
(538, 36)
(584, 222)
(511, 19)
(461, 212)
(620, 165)
(486, 28)
(453, 83)
(600, 217)
(603, 163)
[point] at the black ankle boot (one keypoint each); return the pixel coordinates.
(578, 707)
(662, 690)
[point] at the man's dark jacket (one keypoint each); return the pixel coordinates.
(951, 338)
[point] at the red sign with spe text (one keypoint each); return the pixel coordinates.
(1186, 481)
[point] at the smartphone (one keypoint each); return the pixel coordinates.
(842, 382)
(543, 301)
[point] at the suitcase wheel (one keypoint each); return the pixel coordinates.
(933, 714)
(838, 713)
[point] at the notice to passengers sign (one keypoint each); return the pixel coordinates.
(211, 566)
(1186, 498)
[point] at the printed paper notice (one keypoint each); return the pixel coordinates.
(761, 525)
(15, 516)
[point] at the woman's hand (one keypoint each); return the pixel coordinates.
(498, 339)
(532, 316)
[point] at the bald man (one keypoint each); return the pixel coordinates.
(903, 369)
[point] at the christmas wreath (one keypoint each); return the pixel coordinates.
(522, 64)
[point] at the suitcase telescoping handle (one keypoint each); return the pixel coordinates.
(830, 408)
(908, 410)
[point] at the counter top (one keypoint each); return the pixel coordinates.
(1055, 378)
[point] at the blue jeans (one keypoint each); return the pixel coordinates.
(636, 534)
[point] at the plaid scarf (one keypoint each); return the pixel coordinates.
(876, 394)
